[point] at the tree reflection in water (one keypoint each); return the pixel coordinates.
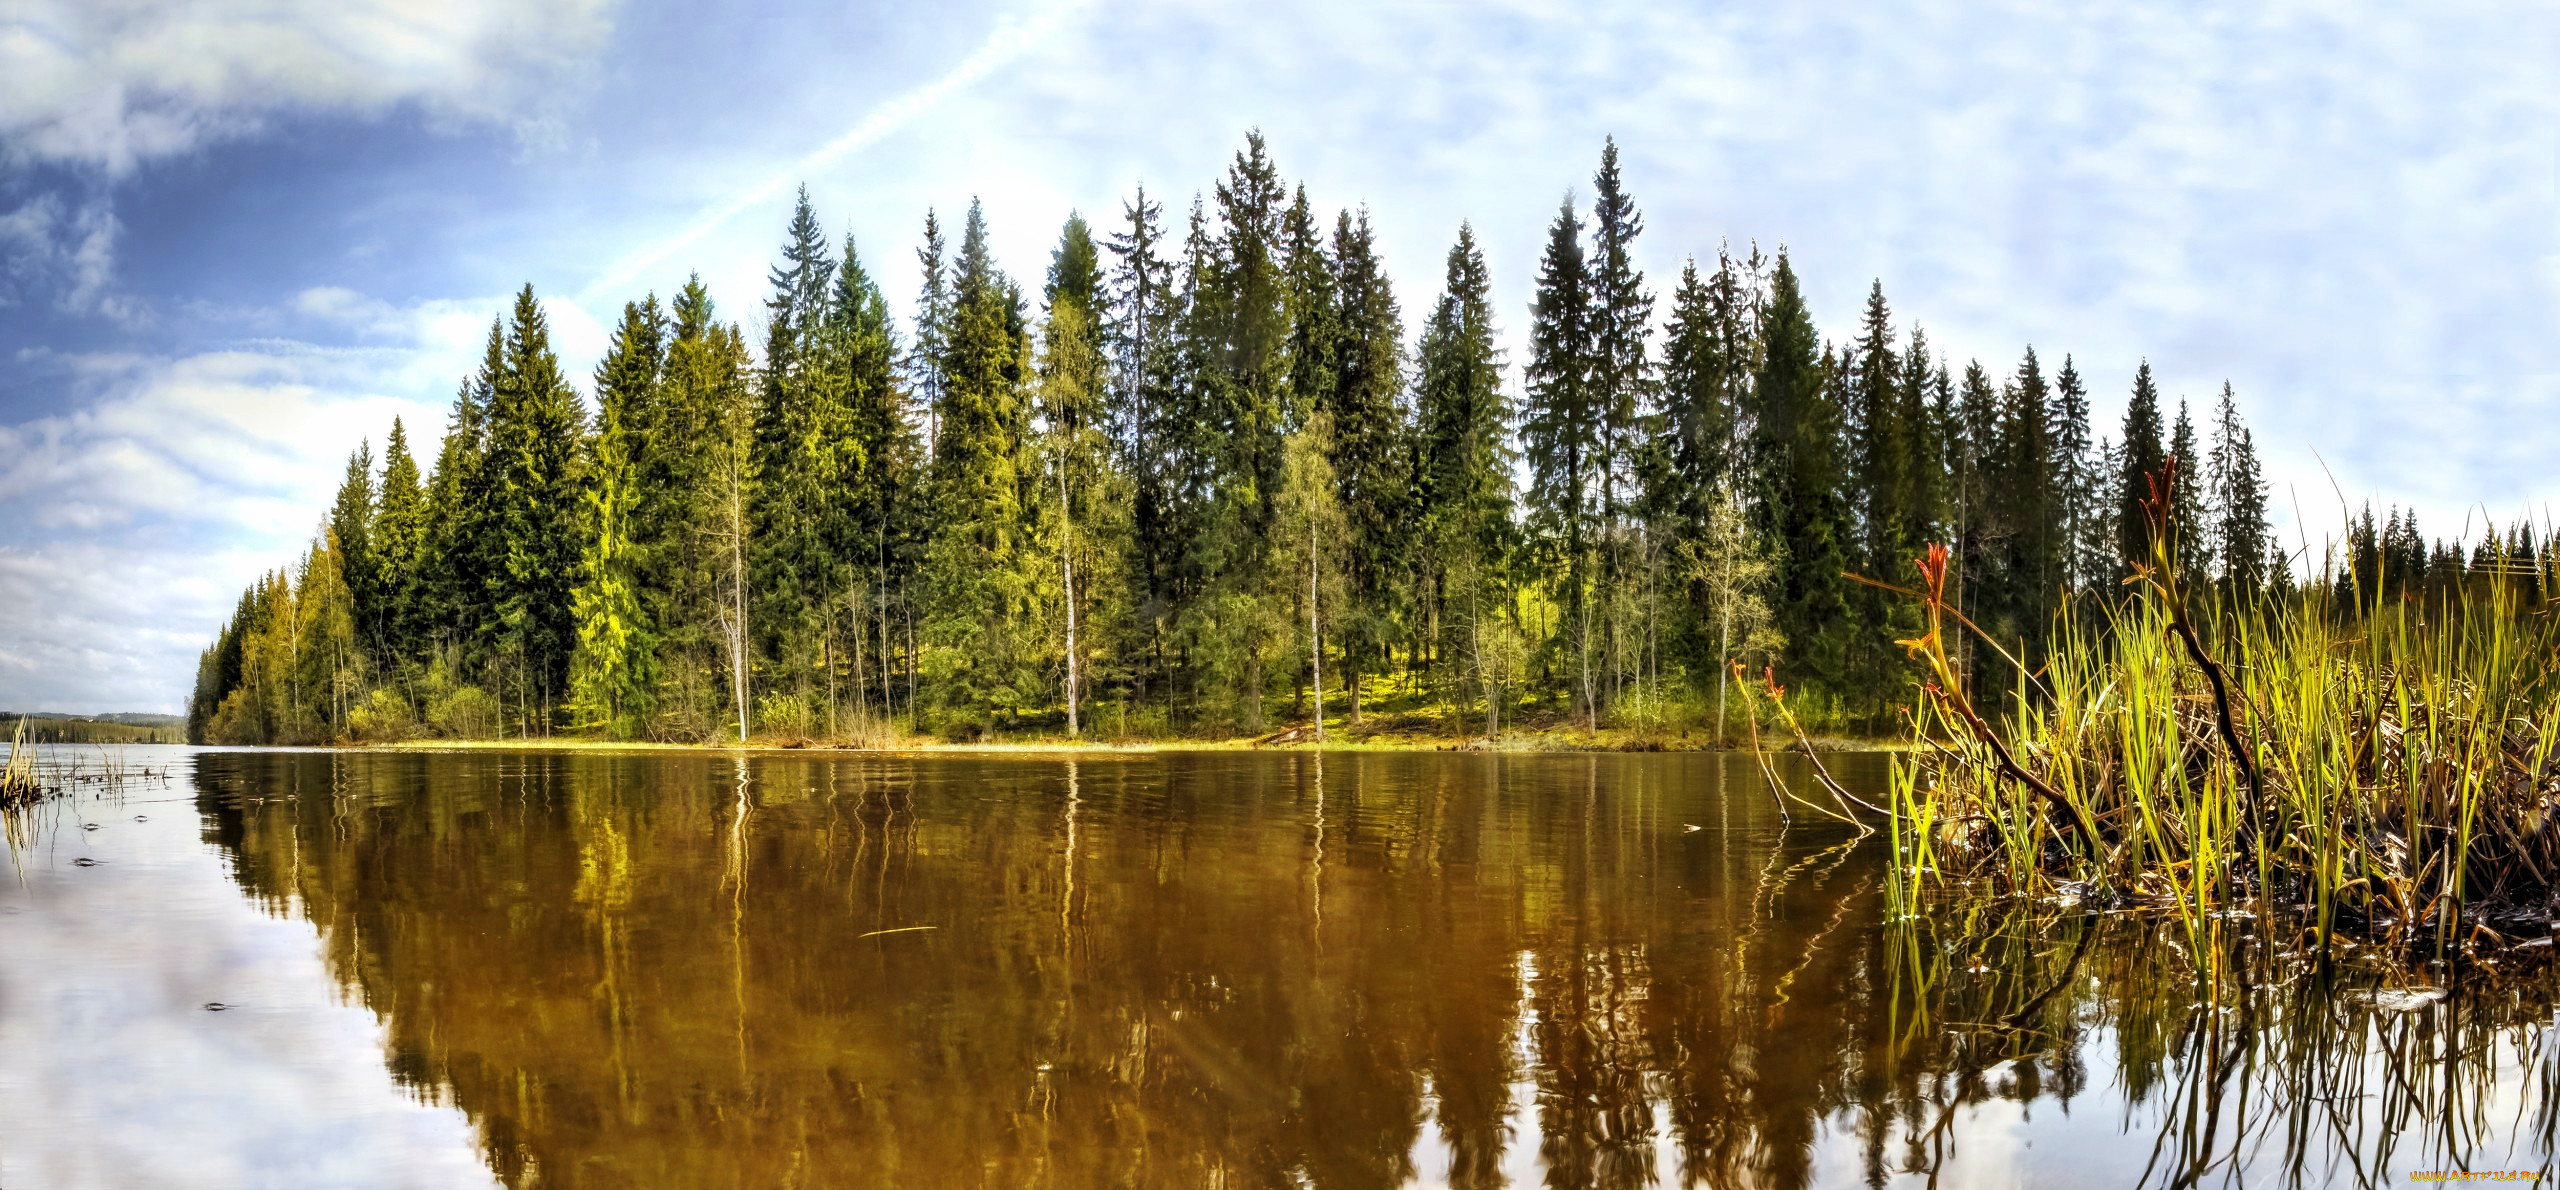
(1351, 970)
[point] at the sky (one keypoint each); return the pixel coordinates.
(239, 238)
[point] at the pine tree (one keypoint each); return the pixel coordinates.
(975, 566)
(1086, 527)
(2077, 484)
(1138, 333)
(2186, 505)
(2144, 457)
(398, 537)
(1620, 376)
(455, 572)
(611, 669)
(2236, 498)
(1463, 489)
(1371, 456)
(880, 495)
(1882, 454)
(803, 430)
(351, 525)
(933, 320)
(2024, 513)
(1560, 431)
(535, 426)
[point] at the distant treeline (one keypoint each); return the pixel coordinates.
(102, 729)
(1204, 476)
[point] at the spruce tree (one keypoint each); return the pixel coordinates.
(1560, 431)
(975, 567)
(2235, 500)
(1138, 332)
(2186, 504)
(1881, 457)
(875, 533)
(535, 426)
(611, 667)
(1085, 530)
(458, 569)
(1620, 376)
(1371, 459)
(351, 525)
(1246, 317)
(2077, 486)
(933, 319)
(2141, 466)
(1463, 486)
(1314, 311)
(1799, 394)
(1696, 408)
(802, 433)
(2025, 512)
(399, 535)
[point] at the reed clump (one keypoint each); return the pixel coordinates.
(2378, 772)
(19, 784)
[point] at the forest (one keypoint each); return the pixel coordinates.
(1204, 478)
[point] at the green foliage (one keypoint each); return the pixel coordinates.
(1203, 465)
(611, 672)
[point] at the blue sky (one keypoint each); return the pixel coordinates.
(237, 238)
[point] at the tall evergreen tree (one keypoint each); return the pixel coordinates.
(535, 426)
(2186, 503)
(1085, 530)
(1246, 317)
(1463, 485)
(1883, 458)
(1370, 459)
(879, 515)
(2145, 454)
(932, 318)
(1797, 447)
(975, 566)
(803, 433)
(455, 573)
(611, 669)
(1139, 333)
(2237, 498)
(1621, 378)
(2077, 487)
(399, 535)
(1560, 430)
(351, 525)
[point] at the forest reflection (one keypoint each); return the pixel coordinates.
(1350, 970)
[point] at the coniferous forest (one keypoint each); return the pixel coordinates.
(1201, 476)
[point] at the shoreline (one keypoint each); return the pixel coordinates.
(1519, 746)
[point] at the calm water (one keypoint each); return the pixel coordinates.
(1213, 969)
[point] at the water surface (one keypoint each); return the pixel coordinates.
(1205, 969)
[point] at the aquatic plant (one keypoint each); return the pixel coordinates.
(19, 784)
(2375, 768)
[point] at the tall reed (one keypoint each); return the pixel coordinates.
(2376, 770)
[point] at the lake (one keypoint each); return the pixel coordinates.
(1152, 969)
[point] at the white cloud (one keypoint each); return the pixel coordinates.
(47, 246)
(115, 83)
(140, 512)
